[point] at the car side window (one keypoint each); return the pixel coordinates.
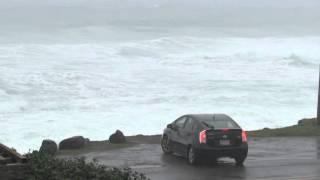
(180, 122)
(189, 124)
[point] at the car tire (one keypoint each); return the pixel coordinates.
(240, 160)
(165, 145)
(192, 156)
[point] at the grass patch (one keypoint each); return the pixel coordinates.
(305, 127)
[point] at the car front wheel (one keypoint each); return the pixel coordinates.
(165, 145)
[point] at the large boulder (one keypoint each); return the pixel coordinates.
(49, 147)
(117, 137)
(75, 142)
(307, 122)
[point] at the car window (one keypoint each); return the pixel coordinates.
(219, 124)
(189, 124)
(180, 122)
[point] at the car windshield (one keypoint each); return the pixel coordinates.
(220, 123)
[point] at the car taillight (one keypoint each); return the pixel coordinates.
(202, 137)
(244, 136)
(225, 130)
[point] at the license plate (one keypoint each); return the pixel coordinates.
(224, 142)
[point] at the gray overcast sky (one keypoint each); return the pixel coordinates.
(37, 14)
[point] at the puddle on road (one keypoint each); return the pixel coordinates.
(145, 166)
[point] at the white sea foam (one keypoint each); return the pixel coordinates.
(59, 90)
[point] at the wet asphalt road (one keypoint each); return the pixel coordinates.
(268, 159)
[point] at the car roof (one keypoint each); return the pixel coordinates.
(204, 117)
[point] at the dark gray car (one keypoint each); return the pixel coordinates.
(197, 136)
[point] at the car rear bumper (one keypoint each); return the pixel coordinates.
(228, 151)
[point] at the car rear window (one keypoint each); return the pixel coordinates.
(220, 124)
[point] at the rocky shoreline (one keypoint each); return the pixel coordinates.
(79, 145)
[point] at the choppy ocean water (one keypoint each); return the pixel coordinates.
(60, 78)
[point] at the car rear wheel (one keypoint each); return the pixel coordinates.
(240, 160)
(165, 145)
(192, 156)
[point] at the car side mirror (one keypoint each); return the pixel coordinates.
(172, 126)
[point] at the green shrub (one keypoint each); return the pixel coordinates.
(46, 167)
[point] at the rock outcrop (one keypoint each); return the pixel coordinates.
(117, 138)
(75, 142)
(49, 147)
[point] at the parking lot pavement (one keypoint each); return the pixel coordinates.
(268, 159)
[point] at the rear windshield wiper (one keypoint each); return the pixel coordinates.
(208, 125)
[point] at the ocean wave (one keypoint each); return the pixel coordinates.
(143, 84)
(298, 61)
